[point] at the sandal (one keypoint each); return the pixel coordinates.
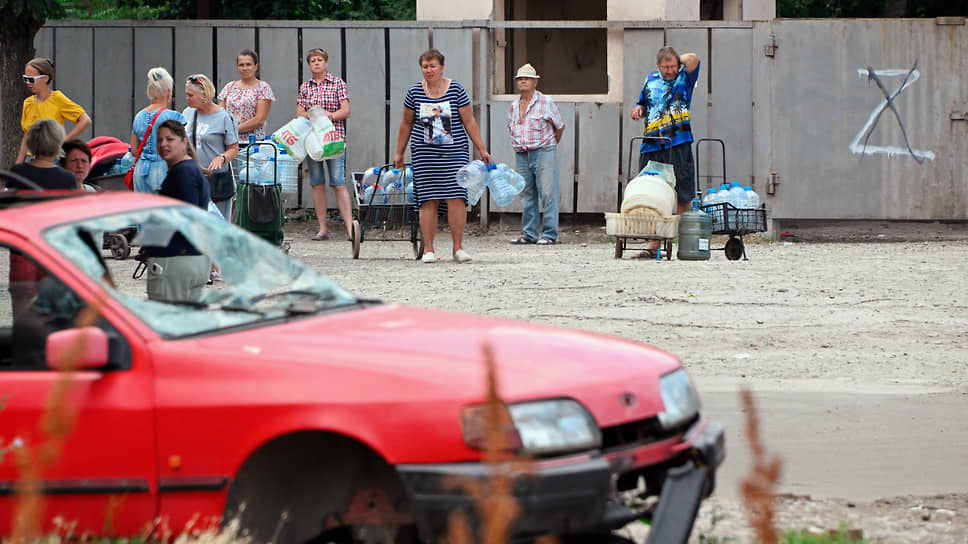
(647, 254)
(546, 242)
(521, 240)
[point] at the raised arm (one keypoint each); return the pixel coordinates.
(690, 61)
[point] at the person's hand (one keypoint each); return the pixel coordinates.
(217, 163)
(332, 116)
(398, 160)
(485, 156)
(638, 112)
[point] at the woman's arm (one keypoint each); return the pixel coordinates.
(80, 126)
(342, 113)
(261, 112)
(473, 131)
(406, 125)
(220, 160)
(22, 152)
(135, 143)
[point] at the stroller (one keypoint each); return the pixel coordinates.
(105, 152)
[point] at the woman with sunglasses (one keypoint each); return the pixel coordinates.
(46, 103)
(150, 170)
(212, 131)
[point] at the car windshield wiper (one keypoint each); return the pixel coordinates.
(207, 306)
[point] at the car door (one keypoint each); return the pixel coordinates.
(86, 437)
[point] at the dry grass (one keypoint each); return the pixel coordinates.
(759, 486)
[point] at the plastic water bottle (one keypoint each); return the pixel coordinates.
(514, 179)
(501, 190)
(389, 176)
(267, 174)
(695, 229)
(243, 175)
(409, 194)
(379, 195)
(395, 192)
(473, 177)
(367, 194)
(371, 176)
(752, 199)
(711, 197)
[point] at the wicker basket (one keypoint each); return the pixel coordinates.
(618, 224)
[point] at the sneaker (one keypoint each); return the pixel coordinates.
(429, 258)
(462, 256)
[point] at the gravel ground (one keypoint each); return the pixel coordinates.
(863, 307)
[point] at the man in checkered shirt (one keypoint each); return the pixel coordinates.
(329, 92)
(536, 127)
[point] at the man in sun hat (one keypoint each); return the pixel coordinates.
(536, 127)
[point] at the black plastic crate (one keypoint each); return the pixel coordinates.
(727, 219)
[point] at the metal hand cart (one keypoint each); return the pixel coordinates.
(258, 205)
(728, 219)
(386, 216)
(628, 227)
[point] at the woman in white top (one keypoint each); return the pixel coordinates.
(248, 100)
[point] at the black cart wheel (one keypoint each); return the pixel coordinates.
(618, 248)
(118, 245)
(734, 248)
(668, 250)
(356, 237)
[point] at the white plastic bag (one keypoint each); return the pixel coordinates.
(291, 137)
(322, 142)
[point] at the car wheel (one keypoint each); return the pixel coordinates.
(308, 486)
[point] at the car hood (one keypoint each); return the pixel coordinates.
(435, 355)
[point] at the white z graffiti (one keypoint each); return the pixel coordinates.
(859, 148)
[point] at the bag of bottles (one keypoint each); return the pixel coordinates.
(322, 142)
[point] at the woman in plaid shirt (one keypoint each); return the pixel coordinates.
(329, 92)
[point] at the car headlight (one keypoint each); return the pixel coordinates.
(539, 427)
(679, 398)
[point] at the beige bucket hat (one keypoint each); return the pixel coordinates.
(527, 71)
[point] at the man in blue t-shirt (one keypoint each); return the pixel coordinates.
(664, 104)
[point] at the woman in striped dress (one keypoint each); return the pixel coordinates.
(438, 147)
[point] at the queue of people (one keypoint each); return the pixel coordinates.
(437, 123)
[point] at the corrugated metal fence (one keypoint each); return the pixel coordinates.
(803, 120)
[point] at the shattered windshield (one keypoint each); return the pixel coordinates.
(258, 281)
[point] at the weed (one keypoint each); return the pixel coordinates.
(758, 486)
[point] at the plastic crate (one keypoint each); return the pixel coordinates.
(728, 219)
(620, 224)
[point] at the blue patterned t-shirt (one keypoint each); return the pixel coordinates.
(666, 106)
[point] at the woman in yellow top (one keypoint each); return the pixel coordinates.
(47, 104)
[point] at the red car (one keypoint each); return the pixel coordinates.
(274, 399)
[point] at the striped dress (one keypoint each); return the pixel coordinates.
(438, 142)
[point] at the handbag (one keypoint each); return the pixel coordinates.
(222, 183)
(129, 175)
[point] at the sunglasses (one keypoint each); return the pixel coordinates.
(32, 79)
(195, 79)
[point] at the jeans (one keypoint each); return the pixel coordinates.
(539, 168)
(336, 167)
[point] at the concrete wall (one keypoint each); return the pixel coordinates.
(791, 99)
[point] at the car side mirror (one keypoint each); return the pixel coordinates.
(84, 348)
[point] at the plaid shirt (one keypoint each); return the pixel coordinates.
(541, 120)
(329, 94)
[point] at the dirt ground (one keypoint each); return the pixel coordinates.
(852, 336)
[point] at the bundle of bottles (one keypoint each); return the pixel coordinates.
(264, 163)
(392, 186)
(503, 181)
(738, 198)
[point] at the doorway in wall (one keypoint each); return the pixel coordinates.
(569, 60)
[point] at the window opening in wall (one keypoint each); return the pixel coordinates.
(711, 10)
(569, 60)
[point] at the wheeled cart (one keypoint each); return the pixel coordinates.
(386, 216)
(728, 219)
(258, 204)
(634, 232)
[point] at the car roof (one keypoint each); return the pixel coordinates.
(30, 212)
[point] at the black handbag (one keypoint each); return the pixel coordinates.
(221, 183)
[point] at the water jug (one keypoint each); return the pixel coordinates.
(409, 193)
(287, 172)
(267, 174)
(388, 177)
(367, 194)
(695, 229)
(501, 191)
(473, 177)
(371, 176)
(752, 199)
(395, 192)
(514, 179)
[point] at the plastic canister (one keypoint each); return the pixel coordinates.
(695, 229)
(288, 172)
(371, 176)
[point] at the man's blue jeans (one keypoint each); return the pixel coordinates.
(539, 168)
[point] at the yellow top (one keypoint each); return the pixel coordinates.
(57, 107)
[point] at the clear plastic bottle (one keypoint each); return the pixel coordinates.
(711, 197)
(371, 176)
(367, 194)
(473, 177)
(389, 176)
(410, 196)
(514, 179)
(501, 190)
(267, 174)
(395, 192)
(752, 199)
(287, 171)
(126, 161)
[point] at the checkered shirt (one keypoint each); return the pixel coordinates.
(329, 94)
(540, 123)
